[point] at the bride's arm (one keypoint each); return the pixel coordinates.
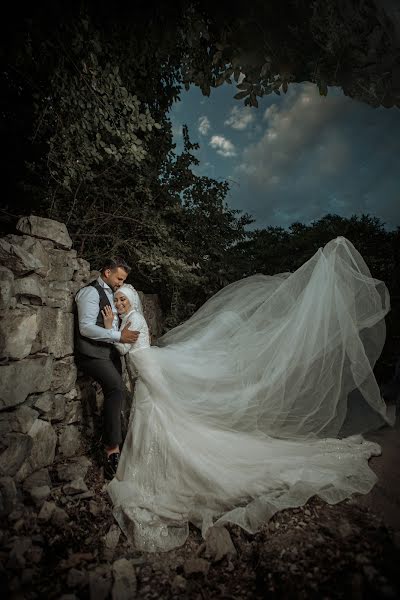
(134, 325)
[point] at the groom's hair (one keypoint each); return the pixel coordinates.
(115, 262)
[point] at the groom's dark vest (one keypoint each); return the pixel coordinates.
(86, 346)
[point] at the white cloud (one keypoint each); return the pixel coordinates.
(240, 118)
(317, 155)
(299, 128)
(223, 146)
(204, 125)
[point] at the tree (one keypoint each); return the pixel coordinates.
(105, 165)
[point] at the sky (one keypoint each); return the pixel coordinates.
(298, 156)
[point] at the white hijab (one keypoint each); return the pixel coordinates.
(134, 300)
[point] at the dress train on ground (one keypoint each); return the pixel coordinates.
(239, 412)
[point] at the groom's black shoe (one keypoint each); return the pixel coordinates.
(111, 465)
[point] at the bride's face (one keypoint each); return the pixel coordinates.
(121, 303)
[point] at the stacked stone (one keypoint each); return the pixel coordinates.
(40, 406)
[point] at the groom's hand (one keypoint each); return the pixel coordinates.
(127, 336)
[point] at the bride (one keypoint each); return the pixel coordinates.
(254, 404)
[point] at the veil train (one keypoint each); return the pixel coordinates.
(256, 403)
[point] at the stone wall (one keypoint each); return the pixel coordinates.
(47, 413)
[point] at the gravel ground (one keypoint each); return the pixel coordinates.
(68, 546)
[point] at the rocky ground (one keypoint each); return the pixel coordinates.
(62, 542)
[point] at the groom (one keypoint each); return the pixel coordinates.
(96, 354)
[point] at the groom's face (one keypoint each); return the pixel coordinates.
(115, 277)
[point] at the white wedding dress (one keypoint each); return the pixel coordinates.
(256, 403)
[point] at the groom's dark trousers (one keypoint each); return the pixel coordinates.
(108, 373)
(102, 362)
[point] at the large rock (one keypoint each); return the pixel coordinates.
(219, 544)
(73, 469)
(61, 294)
(23, 377)
(8, 495)
(83, 274)
(63, 265)
(32, 288)
(55, 332)
(18, 329)
(70, 441)
(18, 448)
(39, 494)
(125, 584)
(45, 229)
(76, 486)
(17, 421)
(100, 582)
(64, 377)
(51, 406)
(73, 412)
(36, 248)
(6, 287)
(39, 478)
(110, 542)
(44, 440)
(17, 259)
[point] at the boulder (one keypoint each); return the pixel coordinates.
(44, 403)
(39, 494)
(100, 583)
(58, 412)
(125, 584)
(8, 495)
(44, 440)
(195, 566)
(37, 479)
(18, 421)
(64, 375)
(55, 332)
(46, 229)
(73, 413)
(61, 294)
(32, 288)
(17, 259)
(6, 287)
(76, 486)
(59, 516)
(83, 273)
(110, 542)
(36, 248)
(18, 330)
(63, 265)
(70, 441)
(18, 447)
(23, 377)
(46, 511)
(74, 469)
(219, 544)
(51, 406)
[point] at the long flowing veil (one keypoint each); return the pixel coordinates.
(284, 354)
(252, 405)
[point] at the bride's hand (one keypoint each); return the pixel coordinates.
(108, 317)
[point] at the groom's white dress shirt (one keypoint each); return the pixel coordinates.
(87, 300)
